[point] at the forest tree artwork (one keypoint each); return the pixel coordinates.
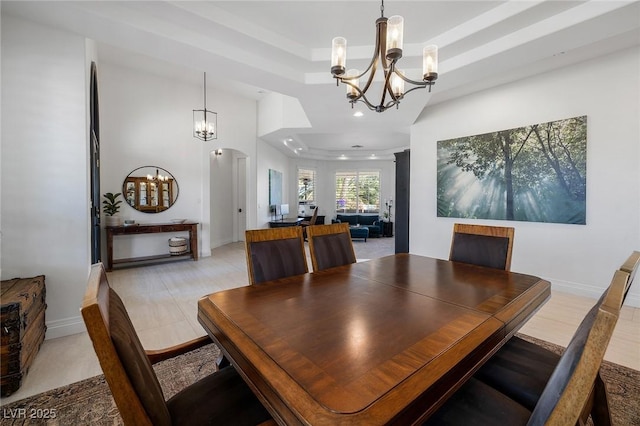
(535, 173)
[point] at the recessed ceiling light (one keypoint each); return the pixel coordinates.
(358, 114)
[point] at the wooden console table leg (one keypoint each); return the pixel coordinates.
(193, 241)
(109, 264)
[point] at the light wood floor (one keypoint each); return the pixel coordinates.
(161, 301)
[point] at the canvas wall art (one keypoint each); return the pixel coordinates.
(535, 173)
(275, 187)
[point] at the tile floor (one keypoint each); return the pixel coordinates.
(161, 300)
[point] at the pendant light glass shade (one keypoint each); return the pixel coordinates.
(430, 62)
(338, 55)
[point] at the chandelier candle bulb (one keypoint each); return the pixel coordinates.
(397, 85)
(352, 92)
(338, 55)
(395, 29)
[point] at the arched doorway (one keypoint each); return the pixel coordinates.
(228, 196)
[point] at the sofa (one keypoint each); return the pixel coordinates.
(372, 222)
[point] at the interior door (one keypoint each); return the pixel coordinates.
(241, 178)
(94, 165)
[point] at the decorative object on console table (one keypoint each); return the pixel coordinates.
(178, 246)
(111, 208)
(23, 328)
(387, 214)
(387, 229)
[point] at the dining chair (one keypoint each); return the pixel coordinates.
(520, 369)
(631, 267)
(330, 246)
(220, 398)
(313, 219)
(306, 223)
(275, 253)
(482, 245)
(570, 392)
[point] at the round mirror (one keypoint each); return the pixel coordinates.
(150, 189)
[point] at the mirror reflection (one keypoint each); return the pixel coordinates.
(150, 189)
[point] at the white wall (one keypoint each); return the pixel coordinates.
(270, 158)
(0, 143)
(575, 258)
(44, 166)
(146, 119)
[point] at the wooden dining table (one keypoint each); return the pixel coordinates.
(385, 341)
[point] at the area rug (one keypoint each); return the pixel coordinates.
(89, 402)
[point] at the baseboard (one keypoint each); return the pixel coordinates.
(632, 300)
(220, 243)
(64, 327)
(593, 292)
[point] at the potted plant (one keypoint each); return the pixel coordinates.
(111, 208)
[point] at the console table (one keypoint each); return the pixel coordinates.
(152, 228)
(319, 219)
(285, 223)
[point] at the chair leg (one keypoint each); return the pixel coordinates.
(222, 361)
(600, 413)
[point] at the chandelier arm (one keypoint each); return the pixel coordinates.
(387, 87)
(376, 53)
(411, 90)
(370, 79)
(390, 104)
(365, 101)
(371, 64)
(408, 80)
(381, 41)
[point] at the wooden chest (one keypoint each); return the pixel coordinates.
(22, 328)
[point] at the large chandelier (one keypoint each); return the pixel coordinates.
(205, 121)
(387, 52)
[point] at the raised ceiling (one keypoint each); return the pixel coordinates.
(259, 47)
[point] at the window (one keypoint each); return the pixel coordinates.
(357, 192)
(306, 186)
